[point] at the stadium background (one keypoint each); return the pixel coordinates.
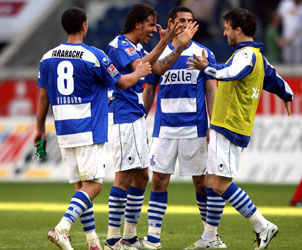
(31, 27)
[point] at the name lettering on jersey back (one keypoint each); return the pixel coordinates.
(67, 53)
(68, 100)
(177, 76)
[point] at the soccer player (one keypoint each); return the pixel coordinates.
(185, 99)
(241, 81)
(296, 200)
(74, 79)
(128, 129)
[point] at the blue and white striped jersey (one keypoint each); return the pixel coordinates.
(181, 108)
(77, 77)
(127, 105)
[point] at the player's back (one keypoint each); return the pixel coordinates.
(76, 77)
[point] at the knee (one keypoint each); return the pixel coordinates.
(199, 183)
(160, 182)
(141, 178)
(218, 189)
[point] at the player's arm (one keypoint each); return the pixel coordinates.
(148, 96)
(161, 66)
(275, 84)
(42, 110)
(211, 86)
(237, 68)
(128, 80)
(166, 36)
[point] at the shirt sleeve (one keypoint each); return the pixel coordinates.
(212, 60)
(41, 76)
(275, 84)
(237, 68)
(125, 55)
(152, 79)
(106, 71)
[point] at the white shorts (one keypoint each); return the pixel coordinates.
(191, 154)
(129, 145)
(223, 157)
(85, 163)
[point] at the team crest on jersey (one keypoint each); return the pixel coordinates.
(112, 70)
(124, 43)
(105, 61)
(245, 54)
(130, 51)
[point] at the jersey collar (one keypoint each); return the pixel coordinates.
(248, 44)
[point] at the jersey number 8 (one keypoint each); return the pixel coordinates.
(65, 79)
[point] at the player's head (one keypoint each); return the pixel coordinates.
(142, 17)
(239, 22)
(182, 15)
(72, 20)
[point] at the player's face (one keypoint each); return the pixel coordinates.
(147, 29)
(183, 18)
(230, 34)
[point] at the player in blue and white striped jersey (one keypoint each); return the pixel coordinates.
(74, 79)
(241, 81)
(128, 129)
(184, 102)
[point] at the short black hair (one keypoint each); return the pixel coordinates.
(173, 12)
(72, 20)
(138, 14)
(244, 19)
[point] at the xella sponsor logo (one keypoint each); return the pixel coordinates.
(130, 51)
(112, 70)
(177, 76)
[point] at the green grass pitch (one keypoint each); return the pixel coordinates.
(22, 228)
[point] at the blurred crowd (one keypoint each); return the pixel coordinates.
(283, 34)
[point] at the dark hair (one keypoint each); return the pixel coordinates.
(72, 20)
(244, 19)
(138, 14)
(173, 12)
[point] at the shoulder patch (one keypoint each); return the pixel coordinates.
(245, 54)
(105, 61)
(130, 51)
(124, 43)
(112, 70)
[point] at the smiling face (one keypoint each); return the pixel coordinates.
(147, 29)
(230, 33)
(183, 18)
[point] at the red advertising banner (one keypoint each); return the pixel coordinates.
(18, 98)
(272, 105)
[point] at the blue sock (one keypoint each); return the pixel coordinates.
(135, 200)
(240, 200)
(201, 200)
(215, 207)
(87, 219)
(78, 204)
(156, 211)
(117, 204)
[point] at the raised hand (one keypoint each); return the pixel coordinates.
(187, 34)
(198, 62)
(172, 30)
(143, 69)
